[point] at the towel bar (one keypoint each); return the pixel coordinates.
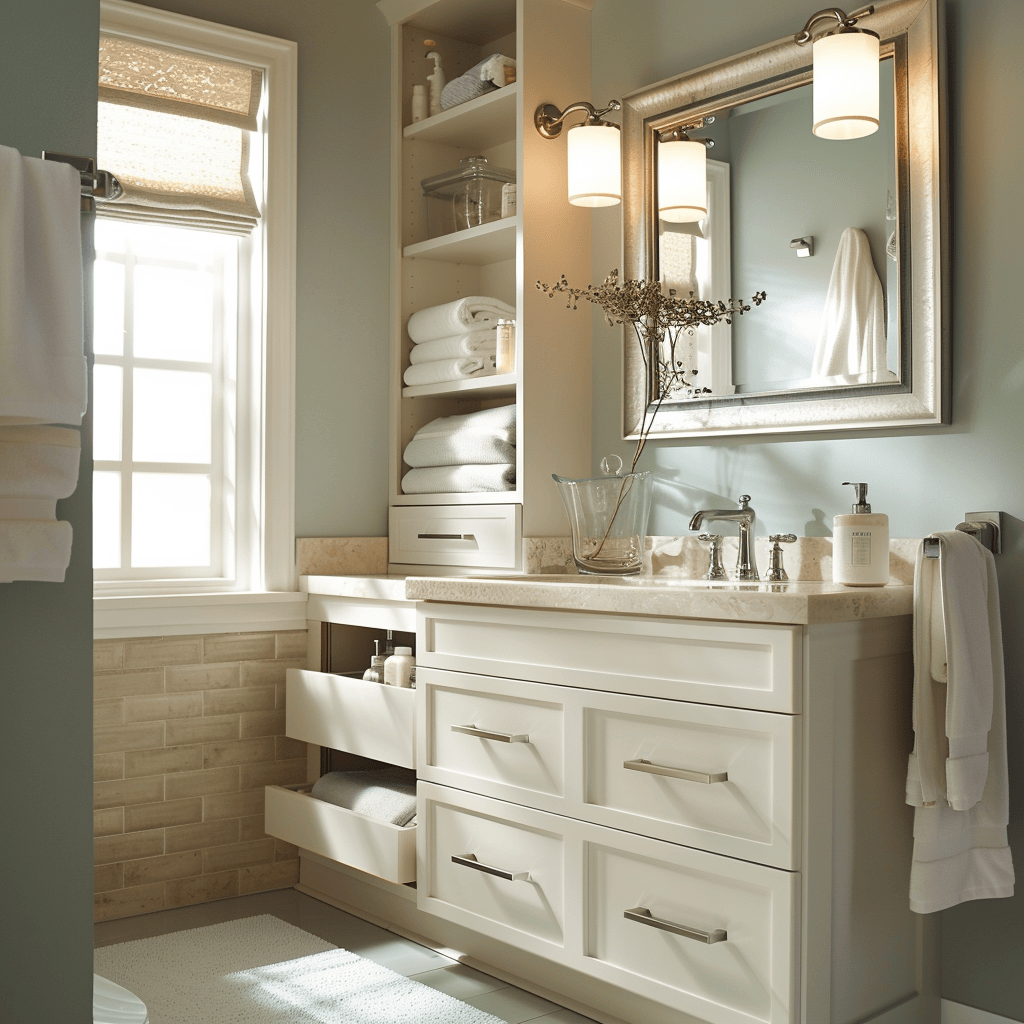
(986, 527)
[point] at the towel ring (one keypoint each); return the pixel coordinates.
(985, 527)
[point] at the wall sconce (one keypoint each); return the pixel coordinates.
(845, 63)
(592, 152)
(804, 246)
(683, 175)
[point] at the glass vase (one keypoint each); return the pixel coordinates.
(608, 518)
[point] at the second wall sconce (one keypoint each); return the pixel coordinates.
(594, 163)
(683, 175)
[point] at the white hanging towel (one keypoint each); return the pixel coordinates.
(851, 341)
(957, 774)
(42, 355)
(456, 317)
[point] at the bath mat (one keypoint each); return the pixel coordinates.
(262, 970)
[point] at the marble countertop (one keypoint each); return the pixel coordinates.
(375, 587)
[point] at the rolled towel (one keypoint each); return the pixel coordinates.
(480, 78)
(457, 317)
(471, 343)
(459, 479)
(499, 422)
(439, 371)
(387, 794)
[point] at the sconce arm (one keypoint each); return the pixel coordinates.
(843, 20)
(548, 119)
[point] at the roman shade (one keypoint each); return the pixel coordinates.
(173, 128)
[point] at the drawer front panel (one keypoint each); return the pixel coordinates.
(482, 731)
(722, 779)
(709, 662)
(709, 935)
(352, 714)
(469, 535)
(509, 877)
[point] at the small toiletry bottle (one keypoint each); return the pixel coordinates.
(398, 668)
(505, 351)
(860, 544)
(375, 673)
(419, 103)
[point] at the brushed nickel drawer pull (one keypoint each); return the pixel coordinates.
(487, 734)
(468, 860)
(641, 764)
(643, 916)
(446, 536)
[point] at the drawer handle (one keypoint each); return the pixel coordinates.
(468, 860)
(446, 536)
(487, 734)
(707, 778)
(643, 916)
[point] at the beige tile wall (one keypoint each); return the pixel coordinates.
(187, 732)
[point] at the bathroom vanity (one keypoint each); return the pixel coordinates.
(657, 801)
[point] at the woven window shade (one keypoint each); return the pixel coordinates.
(174, 130)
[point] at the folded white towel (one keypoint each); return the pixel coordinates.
(957, 773)
(459, 450)
(459, 479)
(851, 340)
(457, 317)
(440, 371)
(42, 358)
(473, 343)
(499, 422)
(387, 794)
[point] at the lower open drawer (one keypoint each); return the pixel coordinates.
(376, 847)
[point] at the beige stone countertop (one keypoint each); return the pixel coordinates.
(796, 603)
(379, 587)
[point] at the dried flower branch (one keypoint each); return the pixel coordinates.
(660, 320)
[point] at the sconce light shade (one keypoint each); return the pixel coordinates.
(682, 181)
(845, 85)
(594, 165)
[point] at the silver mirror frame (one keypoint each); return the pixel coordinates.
(911, 33)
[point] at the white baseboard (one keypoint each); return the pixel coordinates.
(957, 1013)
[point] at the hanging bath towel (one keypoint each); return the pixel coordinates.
(851, 342)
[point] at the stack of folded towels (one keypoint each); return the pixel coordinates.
(468, 453)
(455, 340)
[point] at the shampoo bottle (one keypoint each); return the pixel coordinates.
(860, 544)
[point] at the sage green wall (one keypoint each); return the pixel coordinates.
(48, 85)
(342, 282)
(925, 480)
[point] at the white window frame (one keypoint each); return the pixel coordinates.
(124, 608)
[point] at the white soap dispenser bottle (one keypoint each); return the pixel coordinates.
(860, 544)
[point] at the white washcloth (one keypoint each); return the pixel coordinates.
(42, 356)
(457, 317)
(38, 465)
(473, 343)
(459, 479)
(957, 774)
(851, 340)
(440, 371)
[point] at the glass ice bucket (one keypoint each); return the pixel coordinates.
(608, 517)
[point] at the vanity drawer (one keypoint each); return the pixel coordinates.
(374, 846)
(498, 736)
(507, 878)
(354, 715)
(708, 935)
(734, 664)
(722, 779)
(488, 536)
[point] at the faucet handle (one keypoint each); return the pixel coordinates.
(776, 572)
(715, 570)
(744, 501)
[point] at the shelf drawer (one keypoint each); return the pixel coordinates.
(488, 536)
(508, 879)
(711, 936)
(339, 834)
(354, 715)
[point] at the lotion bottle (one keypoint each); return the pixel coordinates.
(860, 544)
(398, 668)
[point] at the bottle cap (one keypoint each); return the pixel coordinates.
(403, 650)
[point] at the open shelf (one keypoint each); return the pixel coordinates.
(495, 385)
(482, 123)
(487, 243)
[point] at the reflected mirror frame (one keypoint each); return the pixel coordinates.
(911, 33)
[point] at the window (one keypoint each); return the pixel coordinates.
(194, 331)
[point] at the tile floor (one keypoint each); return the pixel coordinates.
(506, 1002)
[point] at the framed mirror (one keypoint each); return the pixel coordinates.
(774, 189)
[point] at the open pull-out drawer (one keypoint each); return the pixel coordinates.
(374, 846)
(354, 715)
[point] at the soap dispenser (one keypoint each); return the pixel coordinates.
(860, 544)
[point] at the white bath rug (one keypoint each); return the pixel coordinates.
(261, 970)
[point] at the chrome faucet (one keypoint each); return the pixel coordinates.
(746, 565)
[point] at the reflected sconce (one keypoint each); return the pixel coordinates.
(845, 63)
(594, 163)
(683, 175)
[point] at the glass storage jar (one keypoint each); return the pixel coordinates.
(464, 197)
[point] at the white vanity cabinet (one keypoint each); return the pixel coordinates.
(706, 816)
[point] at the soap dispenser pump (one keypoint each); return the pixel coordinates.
(860, 544)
